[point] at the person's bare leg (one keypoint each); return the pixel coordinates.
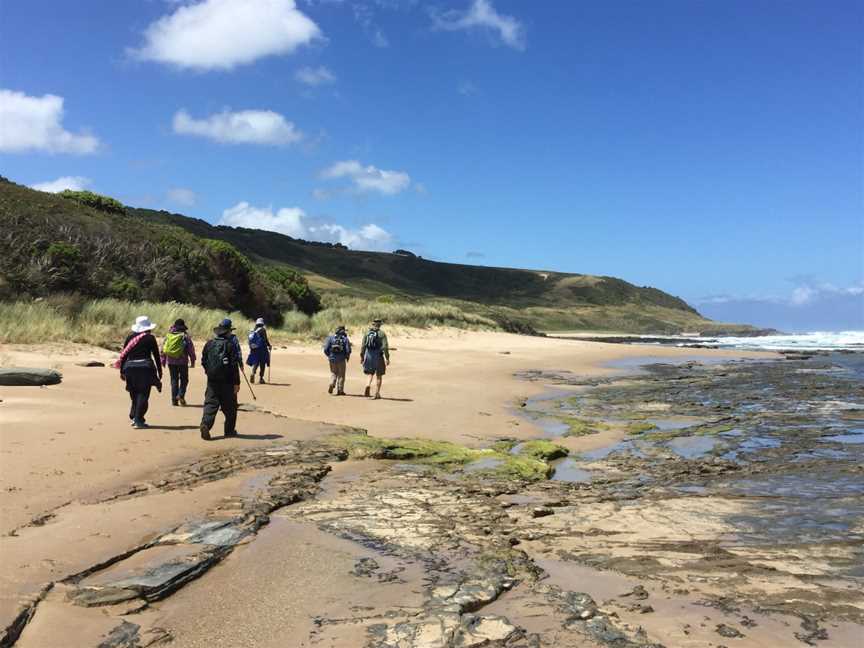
(377, 387)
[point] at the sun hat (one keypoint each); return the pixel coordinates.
(259, 321)
(340, 328)
(142, 323)
(378, 321)
(180, 325)
(224, 327)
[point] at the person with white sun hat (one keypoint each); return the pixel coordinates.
(141, 368)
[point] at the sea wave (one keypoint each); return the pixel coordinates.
(816, 341)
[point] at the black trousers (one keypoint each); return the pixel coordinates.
(139, 382)
(220, 395)
(179, 380)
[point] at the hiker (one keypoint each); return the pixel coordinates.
(375, 356)
(337, 348)
(178, 354)
(259, 349)
(219, 359)
(141, 368)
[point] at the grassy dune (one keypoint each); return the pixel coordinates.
(104, 322)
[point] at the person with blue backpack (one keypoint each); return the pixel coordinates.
(259, 349)
(375, 356)
(337, 348)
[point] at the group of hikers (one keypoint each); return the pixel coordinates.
(141, 365)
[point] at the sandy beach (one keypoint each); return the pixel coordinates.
(89, 505)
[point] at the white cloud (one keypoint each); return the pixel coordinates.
(481, 14)
(468, 89)
(182, 196)
(807, 292)
(243, 127)
(75, 183)
(368, 178)
(294, 222)
(35, 124)
(221, 34)
(315, 76)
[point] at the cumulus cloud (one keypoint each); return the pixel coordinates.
(367, 179)
(243, 127)
(182, 196)
(222, 34)
(315, 76)
(294, 222)
(75, 183)
(482, 15)
(35, 124)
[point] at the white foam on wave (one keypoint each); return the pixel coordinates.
(816, 341)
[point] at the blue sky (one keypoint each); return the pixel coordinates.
(712, 149)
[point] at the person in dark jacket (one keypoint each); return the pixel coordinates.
(259, 349)
(219, 360)
(337, 348)
(141, 369)
(178, 354)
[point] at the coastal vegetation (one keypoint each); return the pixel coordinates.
(77, 264)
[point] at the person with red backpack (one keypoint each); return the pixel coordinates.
(178, 354)
(221, 361)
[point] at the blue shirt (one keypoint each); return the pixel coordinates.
(336, 356)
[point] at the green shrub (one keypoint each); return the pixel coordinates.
(94, 200)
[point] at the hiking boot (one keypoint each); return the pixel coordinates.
(261, 381)
(341, 393)
(252, 380)
(139, 425)
(330, 389)
(377, 397)
(182, 401)
(131, 423)
(205, 433)
(367, 392)
(231, 434)
(174, 402)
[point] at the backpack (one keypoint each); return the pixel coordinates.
(373, 340)
(338, 344)
(175, 345)
(255, 341)
(219, 359)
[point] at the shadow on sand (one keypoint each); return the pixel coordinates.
(249, 437)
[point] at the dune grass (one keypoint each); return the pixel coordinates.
(105, 322)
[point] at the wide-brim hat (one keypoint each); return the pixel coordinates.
(180, 325)
(223, 327)
(259, 321)
(379, 322)
(142, 324)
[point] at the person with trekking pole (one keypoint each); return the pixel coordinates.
(222, 362)
(140, 368)
(375, 356)
(178, 354)
(259, 349)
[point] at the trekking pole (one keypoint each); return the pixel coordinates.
(248, 385)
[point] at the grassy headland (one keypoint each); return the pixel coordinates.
(95, 264)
